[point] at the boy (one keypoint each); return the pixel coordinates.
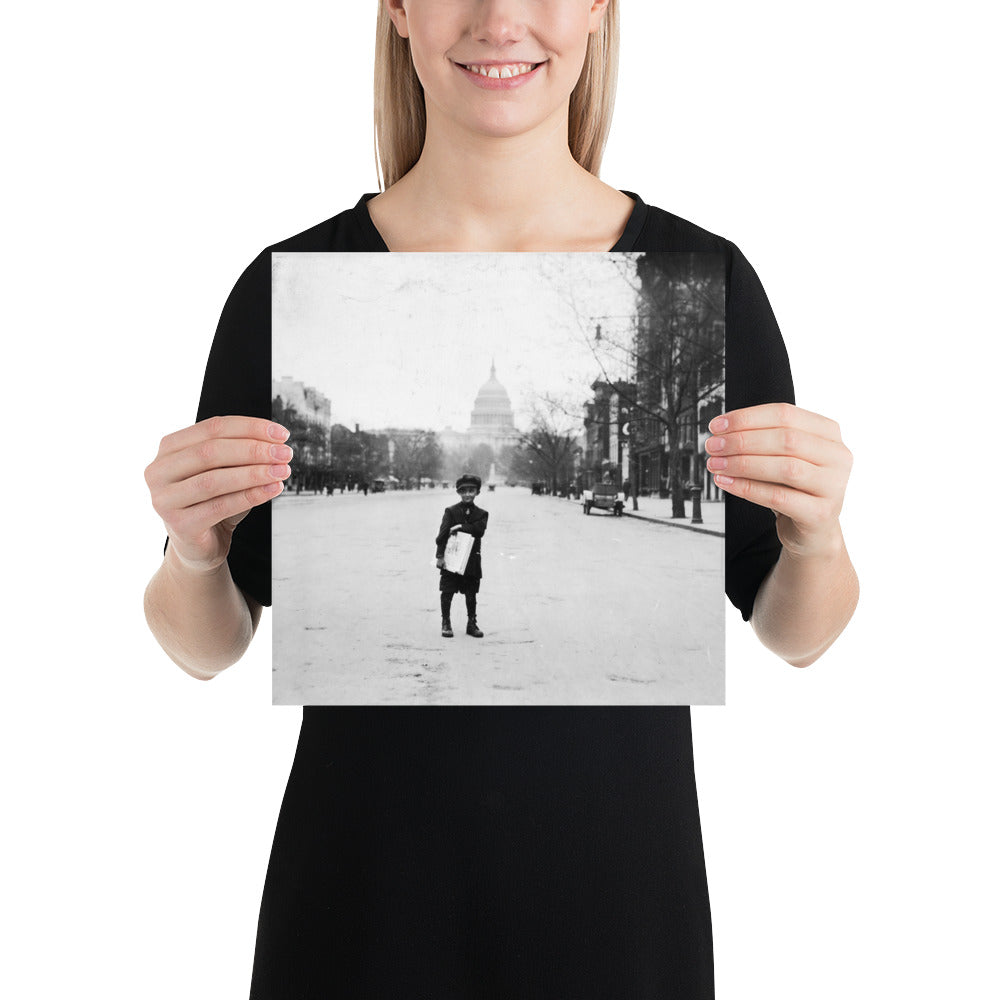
(463, 516)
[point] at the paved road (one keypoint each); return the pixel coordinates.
(576, 610)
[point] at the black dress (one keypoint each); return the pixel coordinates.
(491, 852)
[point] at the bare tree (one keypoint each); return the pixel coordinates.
(418, 455)
(545, 452)
(667, 358)
(357, 456)
(679, 353)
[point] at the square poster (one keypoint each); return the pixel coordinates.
(574, 392)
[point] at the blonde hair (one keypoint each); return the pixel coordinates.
(401, 120)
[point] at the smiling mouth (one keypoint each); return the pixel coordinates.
(502, 71)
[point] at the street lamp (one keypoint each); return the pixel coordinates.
(696, 473)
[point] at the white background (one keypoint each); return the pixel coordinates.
(153, 150)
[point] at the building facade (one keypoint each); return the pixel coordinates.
(312, 446)
(679, 369)
(606, 429)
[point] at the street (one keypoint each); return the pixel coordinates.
(575, 610)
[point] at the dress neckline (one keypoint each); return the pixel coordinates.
(624, 243)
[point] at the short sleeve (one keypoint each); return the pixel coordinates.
(757, 371)
(238, 383)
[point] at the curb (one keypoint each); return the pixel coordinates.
(668, 523)
(674, 524)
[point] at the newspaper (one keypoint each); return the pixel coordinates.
(457, 552)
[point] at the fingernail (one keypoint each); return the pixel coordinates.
(725, 480)
(279, 471)
(715, 444)
(716, 464)
(718, 424)
(277, 431)
(281, 452)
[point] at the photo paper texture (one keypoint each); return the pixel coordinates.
(568, 397)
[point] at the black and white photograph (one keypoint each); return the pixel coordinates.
(498, 492)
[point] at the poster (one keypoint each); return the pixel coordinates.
(577, 389)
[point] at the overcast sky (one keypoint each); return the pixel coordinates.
(406, 340)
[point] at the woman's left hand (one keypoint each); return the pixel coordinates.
(787, 459)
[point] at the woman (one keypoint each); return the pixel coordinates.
(494, 852)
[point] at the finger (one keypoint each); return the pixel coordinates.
(216, 483)
(776, 415)
(215, 453)
(778, 441)
(255, 428)
(816, 480)
(195, 521)
(804, 509)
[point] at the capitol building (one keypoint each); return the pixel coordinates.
(491, 421)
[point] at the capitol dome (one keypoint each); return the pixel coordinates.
(492, 414)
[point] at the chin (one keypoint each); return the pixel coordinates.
(504, 126)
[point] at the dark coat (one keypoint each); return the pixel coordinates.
(472, 520)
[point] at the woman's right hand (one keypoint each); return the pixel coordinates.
(206, 478)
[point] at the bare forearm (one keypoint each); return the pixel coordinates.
(805, 602)
(202, 620)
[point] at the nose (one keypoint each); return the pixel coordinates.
(499, 22)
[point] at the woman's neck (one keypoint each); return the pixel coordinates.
(494, 179)
(474, 192)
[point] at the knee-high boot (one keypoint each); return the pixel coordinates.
(470, 606)
(446, 631)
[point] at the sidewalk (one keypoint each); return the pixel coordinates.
(713, 514)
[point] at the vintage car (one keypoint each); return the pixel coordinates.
(378, 486)
(604, 496)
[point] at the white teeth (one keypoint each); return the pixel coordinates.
(501, 72)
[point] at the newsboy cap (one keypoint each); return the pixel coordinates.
(469, 480)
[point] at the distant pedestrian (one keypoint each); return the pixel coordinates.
(463, 516)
